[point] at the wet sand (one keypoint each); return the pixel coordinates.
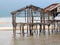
(7, 38)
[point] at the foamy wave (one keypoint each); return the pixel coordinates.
(6, 28)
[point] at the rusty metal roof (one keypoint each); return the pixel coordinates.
(50, 7)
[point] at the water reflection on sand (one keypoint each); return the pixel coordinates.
(7, 38)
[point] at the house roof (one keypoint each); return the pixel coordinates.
(30, 6)
(51, 7)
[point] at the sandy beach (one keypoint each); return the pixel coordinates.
(7, 38)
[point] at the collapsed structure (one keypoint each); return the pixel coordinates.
(34, 17)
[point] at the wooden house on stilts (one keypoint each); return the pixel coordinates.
(29, 13)
(35, 18)
(53, 11)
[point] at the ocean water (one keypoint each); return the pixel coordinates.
(7, 37)
(7, 21)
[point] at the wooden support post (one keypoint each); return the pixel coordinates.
(20, 28)
(27, 19)
(14, 29)
(32, 22)
(48, 29)
(25, 15)
(53, 13)
(48, 22)
(30, 28)
(43, 28)
(14, 24)
(40, 21)
(44, 23)
(57, 26)
(54, 25)
(23, 30)
(40, 29)
(52, 28)
(27, 28)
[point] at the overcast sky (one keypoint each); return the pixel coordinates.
(6, 6)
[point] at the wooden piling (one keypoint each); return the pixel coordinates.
(30, 28)
(40, 22)
(52, 28)
(54, 25)
(44, 24)
(23, 30)
(31, 22)
(48, 29)
(57, 26)
(28, 13)
(20, 28)
(48, 22)
(14, 23)
(40, 29)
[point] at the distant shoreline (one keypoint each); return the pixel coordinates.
(5, 22)
(6, 28)
(25, 28)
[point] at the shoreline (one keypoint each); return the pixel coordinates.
(25, 28)
(6, 28)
